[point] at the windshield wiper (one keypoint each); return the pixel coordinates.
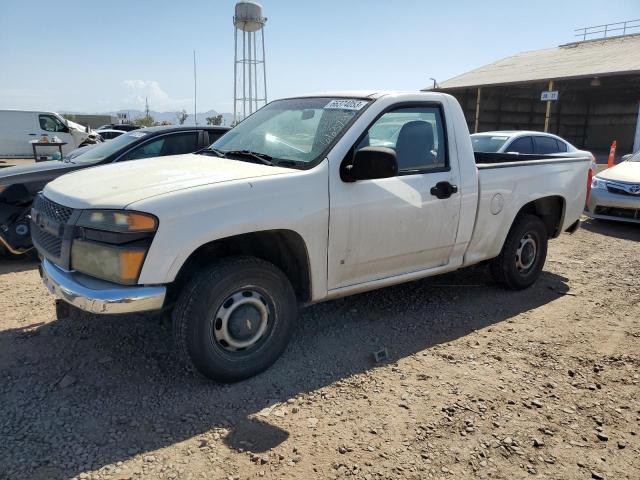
(215, 151)
(260, 157)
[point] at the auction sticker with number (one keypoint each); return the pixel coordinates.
(345, 104)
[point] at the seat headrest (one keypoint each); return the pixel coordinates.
(414, 145)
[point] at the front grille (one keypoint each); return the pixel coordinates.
(52, 210)
(621, 191)
(630, 213)
(50, 243)
(44, 238)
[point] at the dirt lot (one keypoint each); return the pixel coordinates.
(479, 383)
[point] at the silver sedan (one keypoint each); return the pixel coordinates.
(615, 192)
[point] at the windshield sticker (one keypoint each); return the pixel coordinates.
(345, 104)
(137, 134)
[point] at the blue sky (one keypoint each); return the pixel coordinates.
(101, 56)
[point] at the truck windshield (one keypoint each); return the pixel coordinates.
(488, 143)
(297, 130)
(103, 150)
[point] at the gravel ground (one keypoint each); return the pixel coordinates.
(478, 383)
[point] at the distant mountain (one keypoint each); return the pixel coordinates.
(227, 118)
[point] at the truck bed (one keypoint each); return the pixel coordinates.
(506, 181)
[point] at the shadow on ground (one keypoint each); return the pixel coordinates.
(610, 228)
(15, 265)
(78, 395)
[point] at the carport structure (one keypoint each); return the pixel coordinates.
(598, 93)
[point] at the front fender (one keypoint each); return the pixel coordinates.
(194, 217)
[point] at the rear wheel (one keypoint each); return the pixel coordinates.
(234, 319)
(523, 254)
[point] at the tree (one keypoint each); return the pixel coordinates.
(181, 116)
(217, 120)
(69, 116)
(146, 121)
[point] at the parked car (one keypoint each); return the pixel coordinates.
(19, 127)
(127, 127)
(109, 133)
(524, 142)
(19, 184)
(298, 205)
(615, 192)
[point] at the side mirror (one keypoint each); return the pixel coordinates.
(370, 163)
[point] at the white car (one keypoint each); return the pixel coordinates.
(615, 192)
(298, 204)
(524, 142)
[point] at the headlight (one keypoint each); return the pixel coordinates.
(118, 221)
(114, 263)
(112, 244)
(597, 183)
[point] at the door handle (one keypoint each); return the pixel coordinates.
(33, 134)
(443, 190)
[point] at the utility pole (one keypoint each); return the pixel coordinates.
(146, 107)
(195, 91)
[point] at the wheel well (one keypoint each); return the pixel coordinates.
(550, 210)
(284, 248)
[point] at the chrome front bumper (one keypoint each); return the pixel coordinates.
(613, 206)
(97, 296)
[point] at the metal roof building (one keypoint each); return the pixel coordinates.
(598, 93)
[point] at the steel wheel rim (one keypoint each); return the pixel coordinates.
(527, 252)
(241, 320)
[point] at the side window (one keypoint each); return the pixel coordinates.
(562, 147)
(180, 143)
(50, 123)
(415, 133)
(546, 145)
(521, 145)
(214, 135)
(147, 150)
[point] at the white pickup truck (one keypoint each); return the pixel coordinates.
(309, 199)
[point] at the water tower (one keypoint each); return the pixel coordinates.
(249, 73)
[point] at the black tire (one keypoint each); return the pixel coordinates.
(508, 268)
(197, 323)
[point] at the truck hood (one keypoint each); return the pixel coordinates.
(120, 184)
(623, 172)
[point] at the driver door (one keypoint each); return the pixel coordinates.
(386, 227)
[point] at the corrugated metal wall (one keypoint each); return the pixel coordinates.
(589, 117)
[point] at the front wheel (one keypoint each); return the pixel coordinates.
(235, 318)
(523, 254)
